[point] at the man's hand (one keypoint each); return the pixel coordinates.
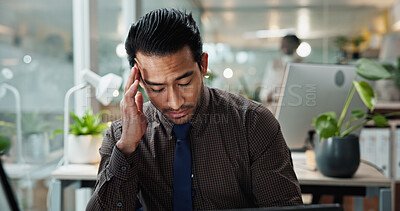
(133, 119)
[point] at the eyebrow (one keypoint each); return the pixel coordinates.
(187, 74)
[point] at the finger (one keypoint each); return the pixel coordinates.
(139, 101)
(137, 73)
(130, 94)
(130, 79)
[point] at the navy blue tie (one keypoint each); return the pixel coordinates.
(182, 169)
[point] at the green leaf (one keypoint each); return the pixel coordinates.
(379, 120)
(371, 70)
(75, 117)
(5, 143)
(366, 93)
(56, 132)
(331, 114)
(358, 113)
(326, 125)
(88, 124)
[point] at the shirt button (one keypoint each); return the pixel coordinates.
(192, 175)
(123, 168)
(119, 204)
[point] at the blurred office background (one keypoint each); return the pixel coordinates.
(241, 37)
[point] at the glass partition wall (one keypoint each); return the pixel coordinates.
(244, 39)
(36, 64)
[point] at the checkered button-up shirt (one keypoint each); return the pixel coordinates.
(239, 160)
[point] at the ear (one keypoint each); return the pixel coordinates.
(204, 64)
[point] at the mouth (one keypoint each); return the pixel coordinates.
(179, 114)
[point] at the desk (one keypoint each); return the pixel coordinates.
(367, 182)
(74, 175)
(24, 176)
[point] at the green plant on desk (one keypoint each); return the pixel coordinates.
(85, 137)
(338, 152)
(328, 125)
(6, 131)
(35, 139)
(395, 71)
(34, 123)
(4, 144)
(89, 124)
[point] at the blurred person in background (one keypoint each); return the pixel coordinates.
(273, 76)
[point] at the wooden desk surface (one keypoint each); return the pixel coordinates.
(76, 172)
(366, 175)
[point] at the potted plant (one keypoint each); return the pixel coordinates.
(6, 131)
(341, 42)
(338, 151)
(356, 43)
(36, 146)
(4, 144)
(85, 137)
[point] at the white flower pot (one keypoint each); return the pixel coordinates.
(36, 147)
(84, 149)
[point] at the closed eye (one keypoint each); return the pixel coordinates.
(158, 90)
(187, 84)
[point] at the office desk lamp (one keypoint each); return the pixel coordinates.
(6, 75)
(105, 86)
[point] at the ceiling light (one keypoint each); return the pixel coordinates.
(269, 33)
(27, 59)
(242, 57)
(304, 49)
(120, 50)
(228, 73)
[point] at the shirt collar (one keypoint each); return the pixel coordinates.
(197, 118)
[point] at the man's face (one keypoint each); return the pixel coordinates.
(286, 48)
(173, 82)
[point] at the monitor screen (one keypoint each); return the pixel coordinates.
(8, 201)
(308, 207)
(309, 90)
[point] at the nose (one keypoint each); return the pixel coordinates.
(174, 98)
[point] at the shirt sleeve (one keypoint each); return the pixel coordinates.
(274, 182)
(116, 186)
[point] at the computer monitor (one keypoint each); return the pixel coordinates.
(8, 201)
(309, 90)
(309, 207)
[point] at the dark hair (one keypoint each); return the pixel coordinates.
(292, 39)
(163, 32)
(290, 43)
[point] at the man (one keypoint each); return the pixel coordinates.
(190, 147)
(273, 76)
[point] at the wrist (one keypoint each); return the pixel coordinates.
(125, 148)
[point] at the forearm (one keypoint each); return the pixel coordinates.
(116, 187)
(274, 180)
(276, 186)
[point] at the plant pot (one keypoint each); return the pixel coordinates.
(36, 147)
(84, 149)
(338, 156)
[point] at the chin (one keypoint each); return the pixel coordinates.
(180, 121)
